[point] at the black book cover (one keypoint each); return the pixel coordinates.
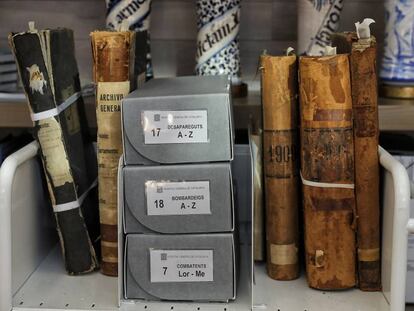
(49, 74)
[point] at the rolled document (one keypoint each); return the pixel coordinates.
(137, 14)
(397, 70)
(218, 52)
(317, 20)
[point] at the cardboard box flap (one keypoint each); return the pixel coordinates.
(213, 148)
(186, 85)
(220, 289)
(212, 209)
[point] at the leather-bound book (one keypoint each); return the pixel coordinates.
(119, 59)
(327, 171)
(281, 164)
(49, 74)
(363, 54)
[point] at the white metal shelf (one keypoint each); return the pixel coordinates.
(394, 114)
(50, 288)
(297, 296)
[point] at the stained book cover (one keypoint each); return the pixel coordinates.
(327, 168)
(49, 74)
(281, 164)
(365, 110)
(119, 59)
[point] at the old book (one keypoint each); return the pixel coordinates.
(365, 111)
(327, 171)
(119, 66)
(49, 74)
(281, 164)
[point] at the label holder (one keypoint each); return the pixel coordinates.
(154, 132)
(184, 269)
(183, 210)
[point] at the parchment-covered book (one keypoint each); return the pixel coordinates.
(327, 171)
(119, 60)
(363, 53)
(48, 70)
(281, 164)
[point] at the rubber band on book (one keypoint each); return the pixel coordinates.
(74, 204)
(324, 184)
(57, 110)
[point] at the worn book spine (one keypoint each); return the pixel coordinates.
(117, 71)
(281, 164)
(49, 74)
(327, 171)
(365, 111)
(137, 15)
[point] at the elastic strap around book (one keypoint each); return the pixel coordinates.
(57, 110)
(324, 184)
(74, 204)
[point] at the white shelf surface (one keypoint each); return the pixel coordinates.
(297, 296)
(49, 287)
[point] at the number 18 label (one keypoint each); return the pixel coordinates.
(175, 127)
(178, 198)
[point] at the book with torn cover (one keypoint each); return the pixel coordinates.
(327, 171)
(48, 70)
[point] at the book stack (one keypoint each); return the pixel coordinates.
(339, 166)
(8, 72)
(176, 191)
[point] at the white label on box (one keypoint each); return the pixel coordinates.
(178, 198)
(181, 265)
(175, 127)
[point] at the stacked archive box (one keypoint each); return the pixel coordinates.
(178, 207)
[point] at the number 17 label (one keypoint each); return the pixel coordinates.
(175, 127)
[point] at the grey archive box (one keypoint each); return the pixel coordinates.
(189, 267)
(178, 120)
(189, 198)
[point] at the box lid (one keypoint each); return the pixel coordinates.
(183, 86)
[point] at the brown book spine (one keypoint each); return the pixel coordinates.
(112, 61)
(327, 168)
(365, 111)
(281, 167)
